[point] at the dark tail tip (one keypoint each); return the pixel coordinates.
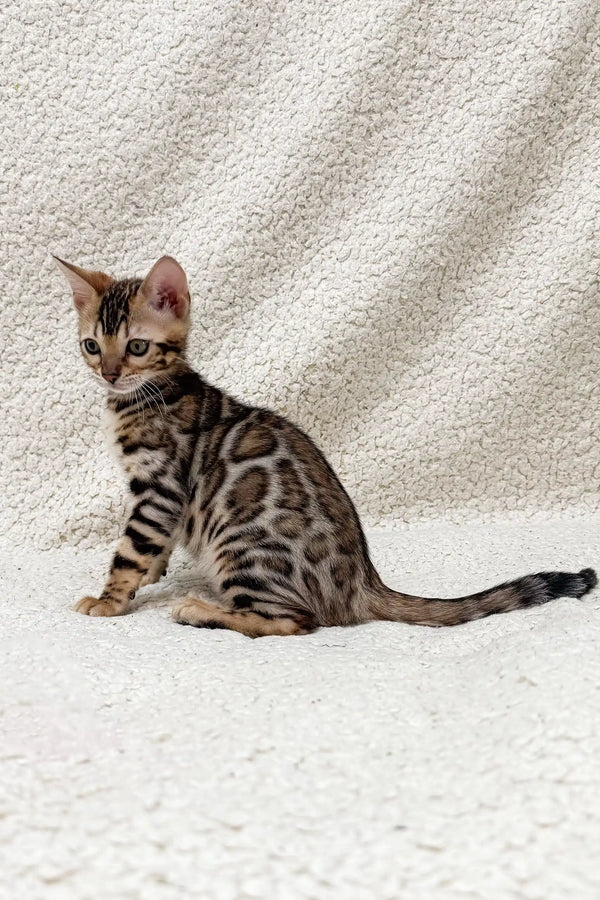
(590, 578)
(569, 584)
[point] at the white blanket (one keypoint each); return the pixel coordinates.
(141, 760)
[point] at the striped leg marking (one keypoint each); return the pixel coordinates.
(201, 614)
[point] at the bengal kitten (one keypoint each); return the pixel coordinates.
(252, 498)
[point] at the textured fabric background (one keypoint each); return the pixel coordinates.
(388, 214)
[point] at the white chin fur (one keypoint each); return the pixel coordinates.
(115, 388)
(119, 389)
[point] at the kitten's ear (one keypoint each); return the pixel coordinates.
(86, 286)
(166, 288)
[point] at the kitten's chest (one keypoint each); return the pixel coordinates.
(141, 445)
(110, 427)
(115, 433)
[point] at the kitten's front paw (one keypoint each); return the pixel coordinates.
(91, 606)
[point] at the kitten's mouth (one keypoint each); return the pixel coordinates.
(116, 389)
(126, 387)
(122, 386)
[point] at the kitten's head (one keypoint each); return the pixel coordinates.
(133, 329)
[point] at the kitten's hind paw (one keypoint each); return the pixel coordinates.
(91, 606)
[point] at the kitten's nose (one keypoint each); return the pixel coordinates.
(110, 377)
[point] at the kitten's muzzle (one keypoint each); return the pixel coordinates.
(111, 377)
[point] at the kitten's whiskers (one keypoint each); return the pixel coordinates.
(153, 395)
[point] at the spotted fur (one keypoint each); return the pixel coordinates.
(255, 502)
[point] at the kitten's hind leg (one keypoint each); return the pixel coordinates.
(202, 614)
(159, 565)
(155, 572)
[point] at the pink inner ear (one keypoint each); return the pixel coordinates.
(165, 298)
(166, 288)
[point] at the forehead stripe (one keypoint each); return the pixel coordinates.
(114, 307)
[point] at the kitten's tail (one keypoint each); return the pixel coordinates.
(532, 590)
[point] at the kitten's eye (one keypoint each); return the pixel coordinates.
(137, 347)
(91, 346)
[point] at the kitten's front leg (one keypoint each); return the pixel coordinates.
(142, 553)
(125, 577)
